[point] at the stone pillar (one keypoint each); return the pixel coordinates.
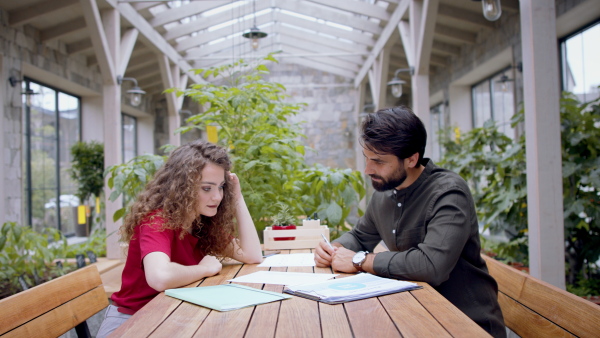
(543, 146)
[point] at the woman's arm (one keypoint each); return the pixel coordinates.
(162, 274)
(248, 250)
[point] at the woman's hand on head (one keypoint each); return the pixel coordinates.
(235, 185)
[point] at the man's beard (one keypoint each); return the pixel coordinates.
(390, 182)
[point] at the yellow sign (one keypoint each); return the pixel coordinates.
(97, 205)
(81, 214)
(211, 133)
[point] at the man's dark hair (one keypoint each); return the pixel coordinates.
(396, 131)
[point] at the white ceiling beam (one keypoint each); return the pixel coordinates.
(127, 43)
(207, 22)
(100, 42)
(63, 29)
(207, 37)
(151, 38)
(28, 14)
(178, 13)
(230, 45)
(320, 66)
(456, 34)
(462, 14)
(150, 69)
(425, 36)
(306, 48)
(387, 32)
(168, 75)
(406, 39)
(341, 18)
(294, 33)
(79, 46)
(354, 36)
(445, 48)
(356, 7)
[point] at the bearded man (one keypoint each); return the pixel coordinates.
(426, 217)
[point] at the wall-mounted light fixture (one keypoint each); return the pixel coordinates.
(254, 34)
(492, 10)
(28, 92)
(396, 83)
(135, 93)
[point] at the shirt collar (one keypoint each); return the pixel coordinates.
(429, 166)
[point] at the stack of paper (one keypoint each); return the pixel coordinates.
(347, 289)
(225, 297)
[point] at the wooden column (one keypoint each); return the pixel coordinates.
(543, 146)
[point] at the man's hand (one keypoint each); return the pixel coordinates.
(324, 254)
(342, 260)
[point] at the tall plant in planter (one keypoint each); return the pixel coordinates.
(253, 122)
(87, 169)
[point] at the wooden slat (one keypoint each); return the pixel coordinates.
(334, 321)
(299, 316)
(111, 280)
(405, 311)
(525, 322)
(63, 318)
(24, 306)
(264, 322)
(187, 315)
(449, 316)
(574, 314)
(363, 314)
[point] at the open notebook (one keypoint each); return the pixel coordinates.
(361, 286)
(225, 297)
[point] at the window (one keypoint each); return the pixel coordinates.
(438, 124)
(493, 99)
(129, 134)
(579, 61)
(52, 125)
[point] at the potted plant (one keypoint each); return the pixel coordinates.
(283, 220)
(87, 170)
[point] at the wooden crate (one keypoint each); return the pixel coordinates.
(307, 237)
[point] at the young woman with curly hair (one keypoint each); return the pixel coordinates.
(191, 213)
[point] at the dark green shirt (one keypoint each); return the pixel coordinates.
(432, 234)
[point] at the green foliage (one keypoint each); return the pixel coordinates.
(96, 242)
(494, 165)
(331, 193)
(253, 122)
(87, 168)
(283, 215)
(26, 253)
(129, 179)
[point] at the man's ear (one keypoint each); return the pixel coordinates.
(413, 160)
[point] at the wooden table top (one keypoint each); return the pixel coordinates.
(417, 313)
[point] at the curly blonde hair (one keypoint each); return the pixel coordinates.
(173, 194)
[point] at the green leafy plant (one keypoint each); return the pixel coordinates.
(283, 215)
(87, 169)
(129, 179)
(29, 254)
(253, 121)
(494, 165)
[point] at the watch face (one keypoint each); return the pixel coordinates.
(358, 257)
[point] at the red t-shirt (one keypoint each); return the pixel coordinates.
(135, 291)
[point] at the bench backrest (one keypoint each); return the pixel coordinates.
(534, 308)
(55, 307)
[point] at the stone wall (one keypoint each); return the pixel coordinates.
(327, 119)
(18, 47)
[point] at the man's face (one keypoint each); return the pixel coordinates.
(386, 171)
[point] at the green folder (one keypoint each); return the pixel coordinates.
(225, 297)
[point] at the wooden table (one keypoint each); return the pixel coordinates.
(418, 313)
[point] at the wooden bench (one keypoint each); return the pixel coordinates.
(55, 307)
(534, 308)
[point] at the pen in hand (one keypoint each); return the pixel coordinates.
(326, 241)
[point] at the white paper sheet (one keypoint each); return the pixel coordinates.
(283, 278)
(299, 259)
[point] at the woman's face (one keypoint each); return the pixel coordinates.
(211, 189)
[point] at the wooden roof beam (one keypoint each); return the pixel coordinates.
(32, 12)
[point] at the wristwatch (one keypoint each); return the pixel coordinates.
(358, 260)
